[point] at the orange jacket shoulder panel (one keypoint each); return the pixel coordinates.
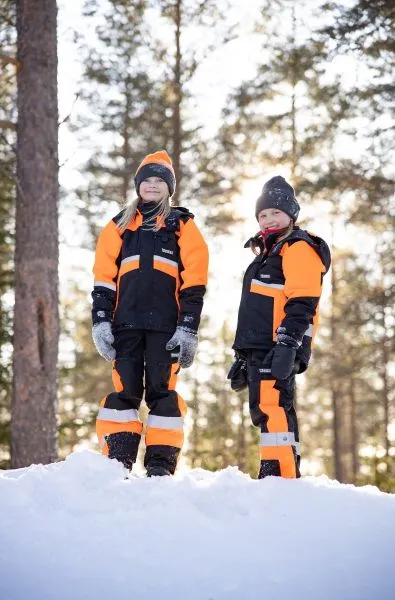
(302, 269)
(108, 247)
(193, 254)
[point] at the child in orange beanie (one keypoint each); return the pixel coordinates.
(150, 278)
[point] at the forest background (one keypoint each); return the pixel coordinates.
(235, 92)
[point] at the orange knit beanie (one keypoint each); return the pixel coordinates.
(157, 164)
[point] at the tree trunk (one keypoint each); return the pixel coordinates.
(383, 371)
(177, 89)
(294, 158)
(241, 435)
(194, 438)
(343, 439)
(36, 319)
(354, 431)
(334, 384)
(126, 179)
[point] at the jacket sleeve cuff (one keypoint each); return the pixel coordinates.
(191, 304)
(189, 321)
(103, 304)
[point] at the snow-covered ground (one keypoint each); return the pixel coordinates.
(79, 530)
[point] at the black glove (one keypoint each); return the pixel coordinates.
(282, 358)
(283, 361)
(238, 373)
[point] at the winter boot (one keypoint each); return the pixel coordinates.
(157, 471)
(269, 467)
(124, 447)
(160, 460)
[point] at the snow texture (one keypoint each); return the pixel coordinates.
(78, 529)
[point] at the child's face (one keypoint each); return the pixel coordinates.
(153, 189)
(273, 218)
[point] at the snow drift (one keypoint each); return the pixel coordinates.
(78, 529)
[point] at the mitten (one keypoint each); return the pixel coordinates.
(104, 339)
(187, 340)
(282, 358)
(238, 373)
(283, 361)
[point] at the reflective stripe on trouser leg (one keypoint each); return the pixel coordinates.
(112, 421)
(166, 429)
(277, 443)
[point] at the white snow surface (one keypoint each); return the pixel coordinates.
(77, 529)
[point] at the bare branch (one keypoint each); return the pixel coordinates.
(67, 117)
(7, 59)
(4, 124)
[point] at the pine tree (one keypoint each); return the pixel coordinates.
(363, 32)
(285, 115)
(124, 107)
(145, 103)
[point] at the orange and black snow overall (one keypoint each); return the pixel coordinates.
(281, 288)
(147, 283)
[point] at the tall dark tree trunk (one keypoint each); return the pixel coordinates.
(177, 85)
(36, 319)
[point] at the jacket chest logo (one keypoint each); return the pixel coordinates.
(166, 251)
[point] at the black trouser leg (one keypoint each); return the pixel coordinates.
(118, 425)
(165, 425)
(272, 410)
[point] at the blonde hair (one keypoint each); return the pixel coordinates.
(256, 246)
(153, 222)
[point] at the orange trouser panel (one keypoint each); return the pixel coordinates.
(164, 437)
(168, 437)
(276, 423)
(116, 379)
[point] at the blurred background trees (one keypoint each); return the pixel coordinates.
(7, 208)
(313, 102)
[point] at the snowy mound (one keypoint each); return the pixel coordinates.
(79, 530)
